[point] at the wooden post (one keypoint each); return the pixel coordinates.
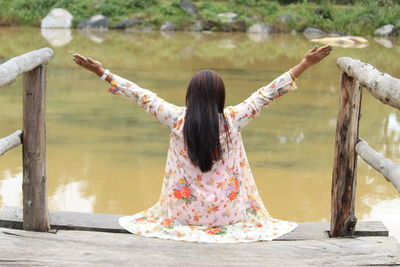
(35, 209)
(343, 220)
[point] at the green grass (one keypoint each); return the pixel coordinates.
(361, 18)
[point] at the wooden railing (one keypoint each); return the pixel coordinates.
(33, 135)
(357, 75)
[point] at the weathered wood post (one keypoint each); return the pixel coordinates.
(35, 208)
(31, 64)
(343, 220)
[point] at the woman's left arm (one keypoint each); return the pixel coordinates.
(165, 112)
(250, 108)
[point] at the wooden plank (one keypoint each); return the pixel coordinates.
(344, 173)
(14, 67)
(66, 248)
(371, 228)
(10, 142)
(386, 167)
(34, 151)
(381, 85)
(11, 217)
(307, 231)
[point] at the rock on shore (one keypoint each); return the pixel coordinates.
(95, 22)
(227, 17)
(285, 22)
(127, 23)
(57, 18)
(387, 30)
(313, 33)
(197, 26)
(189, 7)
(260, 28)
(168, 26)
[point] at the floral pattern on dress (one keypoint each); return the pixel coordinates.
(183, 191)
(233, 188)
(219, 206)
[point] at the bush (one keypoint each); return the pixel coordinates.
(30, 12)
(361, 17)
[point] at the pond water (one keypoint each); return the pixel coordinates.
(105, 155)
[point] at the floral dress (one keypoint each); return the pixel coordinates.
(219, 206)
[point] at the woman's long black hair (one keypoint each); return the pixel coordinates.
(205, 100)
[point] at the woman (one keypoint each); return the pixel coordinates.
(208, 194)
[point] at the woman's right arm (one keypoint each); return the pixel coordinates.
(250, 108)
(154, 105)
(165, 112)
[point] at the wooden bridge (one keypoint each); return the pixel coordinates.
(34, 236)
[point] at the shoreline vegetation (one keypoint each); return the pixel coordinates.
(340, 17)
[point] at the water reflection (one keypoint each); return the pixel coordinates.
(57, 37)
(167, 34)
(387, 211)
(227, 44)
(11, 189)
(94, 35)
(343, 41)
(106, 155)
(258, 37)
(393, 127)
(69, 197)
(391, 132)
(385, 42)
(295, 139)
(66, 197)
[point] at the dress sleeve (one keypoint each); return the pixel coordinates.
(165, 112)
(243, 113)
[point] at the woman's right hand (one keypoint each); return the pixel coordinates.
(315, 54)
(89, 64)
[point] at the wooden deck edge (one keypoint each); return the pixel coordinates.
(11, 217)
(87, 248)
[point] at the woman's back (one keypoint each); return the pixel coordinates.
(212, 197)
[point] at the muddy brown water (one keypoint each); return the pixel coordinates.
(105, 155)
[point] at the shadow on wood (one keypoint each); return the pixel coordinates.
(11, 217)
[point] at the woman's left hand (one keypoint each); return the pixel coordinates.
(315, 55)
(89, 64)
